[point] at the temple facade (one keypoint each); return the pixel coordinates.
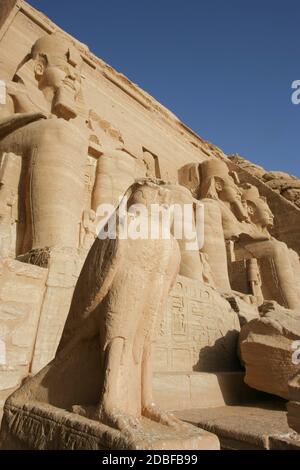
(139, 322)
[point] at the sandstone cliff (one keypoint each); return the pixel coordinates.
(284, 184)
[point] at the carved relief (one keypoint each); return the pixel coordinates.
(10, 171)
(88, 229)
(152, 164)
(204, 330)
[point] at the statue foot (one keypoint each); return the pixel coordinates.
(117, 419)
(153, 412)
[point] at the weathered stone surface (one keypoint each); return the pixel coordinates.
(192, 390)
(25, 270)
(289, 441)
(254, 169)
(64, 265)
(20, 356)
(253, 427)
(13, 310)
(21, 292)
(293, 406)
(283, 183)
(266, 346)
(244, 306)
(29, 427)
(9, 379)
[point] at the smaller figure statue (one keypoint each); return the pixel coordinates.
(10, 169)
(254, 280)
(7, 223)
(88, 229)
(207, 274)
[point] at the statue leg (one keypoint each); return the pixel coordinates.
(56, 184)
(279, 253)
(109, 410)
(55, 152)
(149, 408)
(214, 245)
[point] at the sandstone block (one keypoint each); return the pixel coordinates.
(293, 406)
(266, 346)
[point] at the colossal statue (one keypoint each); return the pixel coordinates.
(237, 223)
(44, 122)
(256, 242)
(116, 170)
(224, 213)
(188, 228)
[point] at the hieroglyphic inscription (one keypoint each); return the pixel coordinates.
(198, 330)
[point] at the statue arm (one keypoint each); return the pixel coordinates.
(249, 232)
(17, 110)
(13, 122)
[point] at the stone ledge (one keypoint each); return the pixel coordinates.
(290, 441)
(256, 426)
(38, 426)
(293, 408)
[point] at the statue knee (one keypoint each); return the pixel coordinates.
(280, 248)
(57, 132)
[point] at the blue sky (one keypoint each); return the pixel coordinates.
(224, 67)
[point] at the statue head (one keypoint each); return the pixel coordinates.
(217, 183)
(57, 69)
(257, 207)
(147, 191)
(189, 177)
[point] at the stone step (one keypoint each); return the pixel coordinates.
(253, 426)
(190, 390)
